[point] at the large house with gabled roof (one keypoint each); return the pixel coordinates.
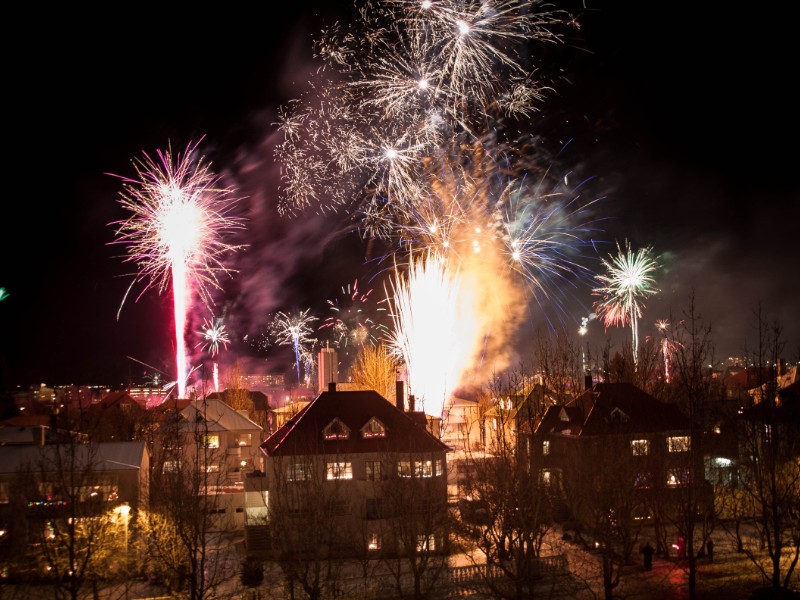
(351, 474)
(614, 434)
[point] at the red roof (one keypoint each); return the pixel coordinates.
(302, 434)
(748, 378)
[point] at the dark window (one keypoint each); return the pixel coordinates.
(374, 508)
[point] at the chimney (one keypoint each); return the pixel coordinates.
(399, 395)
(331, 386)
(411, 402)
(587, 381)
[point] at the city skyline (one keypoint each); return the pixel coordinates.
(676, 124)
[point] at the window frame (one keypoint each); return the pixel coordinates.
(640, 447)
(373, 470)
(674, 446)
(338, 470)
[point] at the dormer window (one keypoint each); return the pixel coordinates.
(336, 430)
(563, 416)
(617, 416)
(373, 429)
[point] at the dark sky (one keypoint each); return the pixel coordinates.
(684, 122)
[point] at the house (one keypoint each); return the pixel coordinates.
(614, 435)
(116, 417)
(351, 474)
(42, 483)
(223, 443)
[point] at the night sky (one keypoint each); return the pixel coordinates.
(683, 123)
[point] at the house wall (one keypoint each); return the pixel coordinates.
(358, 508)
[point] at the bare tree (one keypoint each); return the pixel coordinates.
(235, 394)
(187, 517)
(307, 524)
(608, 500)
(769, 472)
(505, 510)
(560, 366)
(689, 504)
(375, 369)
(417, 523)
(73, 530)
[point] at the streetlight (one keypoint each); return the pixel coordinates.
(124, 510)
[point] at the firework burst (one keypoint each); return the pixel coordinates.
(176, 232)
(294, 330)
(404, 78)
(627, 281)
(354, 320)
(214, 335)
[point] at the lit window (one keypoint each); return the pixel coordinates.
(373, 428)
(426, 543)
(299, 471)
(677, 477)
(439, 467)
(336, 430)
(212, 468)
(678, 443)
(374, 541)
(546, 477)
(244, 439)
(339, 470)
(640, 447)
(171, 466)
(423, 468)
(212, 440)
(404, 468)
(373, 470)
(546, 447)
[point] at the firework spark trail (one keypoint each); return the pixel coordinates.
(176, 232)
(430, 335)
(663, 326)
(214, 334)
(669, 345)
(627, 281)
(295, 330)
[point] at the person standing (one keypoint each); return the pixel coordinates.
(647, 551)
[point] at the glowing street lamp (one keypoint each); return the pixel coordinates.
(123, 510)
